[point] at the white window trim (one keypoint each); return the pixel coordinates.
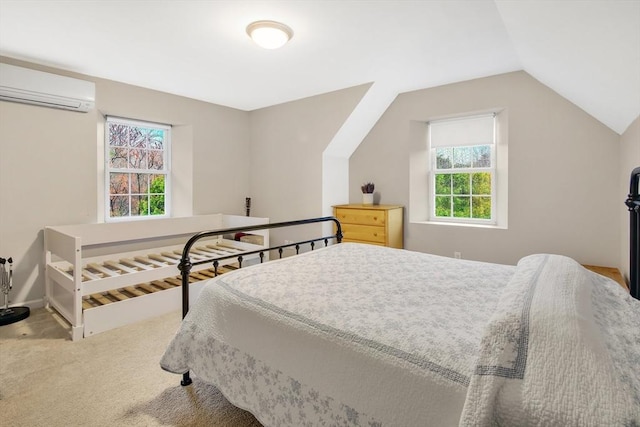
(432, 189)
(107, 170)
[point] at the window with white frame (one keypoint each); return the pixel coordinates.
(463, 170)
(137, 169)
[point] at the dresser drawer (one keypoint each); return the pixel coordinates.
(365, 233)
(361, 216)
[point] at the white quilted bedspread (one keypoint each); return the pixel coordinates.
(360, 335)
(388, 336)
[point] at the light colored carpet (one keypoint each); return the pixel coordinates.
(110, 379)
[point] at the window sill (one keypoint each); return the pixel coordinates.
(461, 224)
(135, 218)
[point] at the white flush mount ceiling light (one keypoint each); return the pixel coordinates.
(269, 34)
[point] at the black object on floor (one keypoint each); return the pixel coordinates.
(13, 315)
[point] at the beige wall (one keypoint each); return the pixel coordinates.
(49, 169)
(287, 142)
(629, 159)
(563, 172)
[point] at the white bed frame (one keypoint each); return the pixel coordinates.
(129, 268)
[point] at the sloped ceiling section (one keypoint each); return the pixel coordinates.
(587, 51)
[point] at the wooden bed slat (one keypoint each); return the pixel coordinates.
(198, 257)
(119, 266)
(225, 269)
(136, 264)
(162, 259)
(202, 250)
(173, 281)
(103, 270)
(148, 287)
(101, 299)
(134, 291)
(164, 284)
(117, 295)
(198, 275)
(220, 250)
(89, 275)
(207, 273)
(149, 261)
(200, 254)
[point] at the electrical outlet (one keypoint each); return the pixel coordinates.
(457, 255)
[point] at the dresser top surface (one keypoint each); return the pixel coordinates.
(362, 206)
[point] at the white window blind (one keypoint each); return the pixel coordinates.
(478, 130)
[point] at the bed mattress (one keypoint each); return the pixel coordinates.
(351, 334)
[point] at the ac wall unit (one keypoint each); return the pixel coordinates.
(27, 86)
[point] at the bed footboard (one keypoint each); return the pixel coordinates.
(186, 264)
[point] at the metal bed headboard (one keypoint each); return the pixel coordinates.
(633, 203)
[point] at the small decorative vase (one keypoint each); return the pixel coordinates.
(367, 198)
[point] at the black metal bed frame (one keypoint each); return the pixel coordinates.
(186, 265)
(633, 203)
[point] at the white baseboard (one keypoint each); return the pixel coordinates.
(36, 303)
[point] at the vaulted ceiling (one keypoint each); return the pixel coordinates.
(587, 51)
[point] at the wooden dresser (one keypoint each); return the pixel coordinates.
(373, 224)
